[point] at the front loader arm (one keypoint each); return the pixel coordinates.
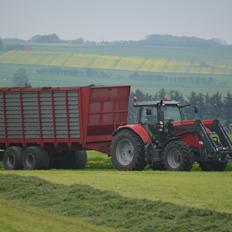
(208, 147)
(217, 127)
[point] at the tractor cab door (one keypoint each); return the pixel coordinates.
(149, 119)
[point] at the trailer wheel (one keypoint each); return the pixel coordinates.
(35, 158)
(127, 151)
(12, 158)
(178, 156)
(80, 159)
(74, 160)
(212, 166)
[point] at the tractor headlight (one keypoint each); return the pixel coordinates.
(161, 126)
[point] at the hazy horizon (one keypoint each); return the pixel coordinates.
(107, 20)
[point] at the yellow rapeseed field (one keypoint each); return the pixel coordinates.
(80, 60)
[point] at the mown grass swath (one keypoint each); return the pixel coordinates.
(17, 216)
(109, 208)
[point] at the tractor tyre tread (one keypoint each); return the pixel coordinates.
(138, 163)
(41, 158)
(187, 156)
(16, 151)
(80, 159)
(212, 166)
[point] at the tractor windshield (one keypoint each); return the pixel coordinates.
(171, 112)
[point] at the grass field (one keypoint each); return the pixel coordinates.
(100, 198)
(99, 195)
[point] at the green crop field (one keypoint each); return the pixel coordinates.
(100, 198)
(149, 52)
(147, 68)
(184, 70)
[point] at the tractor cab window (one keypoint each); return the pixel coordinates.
(171, 113)
(149, 115)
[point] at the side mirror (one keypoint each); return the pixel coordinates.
(195, 109)
(148, 111)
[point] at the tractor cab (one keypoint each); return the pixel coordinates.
(157, 116)
(159, 112)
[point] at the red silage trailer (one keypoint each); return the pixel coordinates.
(40, 127)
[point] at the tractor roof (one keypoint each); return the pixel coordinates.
(155, 103)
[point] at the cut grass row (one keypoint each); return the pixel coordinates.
(110, 209)
(160, 65)
(206, 190)
(18, 216)
(197, 189)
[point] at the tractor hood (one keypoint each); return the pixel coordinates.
(183, 124)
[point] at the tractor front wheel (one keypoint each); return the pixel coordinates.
(127, 151)
(212, 166)
(178, 156)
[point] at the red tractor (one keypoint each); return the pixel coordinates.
(164, 140)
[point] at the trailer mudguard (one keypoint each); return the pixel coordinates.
(137, 129)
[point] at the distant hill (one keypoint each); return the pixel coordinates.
(9, 44)
(13, 41)
(51, 38)
(180, 41)
(168, 41)
(150, 40)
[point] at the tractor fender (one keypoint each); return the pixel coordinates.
(137, 129)
(170, 140)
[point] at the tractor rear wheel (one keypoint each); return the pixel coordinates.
(127, 151)
(12, 158)
(178, 156)
(35, 158)
(212, 166)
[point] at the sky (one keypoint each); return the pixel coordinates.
(111, 20)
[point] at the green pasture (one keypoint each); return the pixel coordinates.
(100, 198)
(149, 52)
(148, 68)
(223, 83)
(181, 188)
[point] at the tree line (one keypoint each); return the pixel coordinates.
(215, 106)
(1, 44)
(149, 40)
